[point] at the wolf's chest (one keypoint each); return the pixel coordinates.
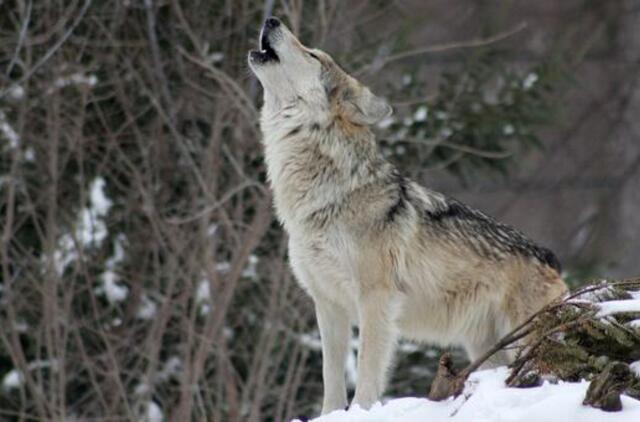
(323, 266)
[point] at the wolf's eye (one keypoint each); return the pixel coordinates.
(314, 56)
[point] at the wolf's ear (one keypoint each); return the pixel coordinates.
(364, 108)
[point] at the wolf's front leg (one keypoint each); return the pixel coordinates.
(334, 333)
(378, 336)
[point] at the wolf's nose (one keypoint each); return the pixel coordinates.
(271, 23)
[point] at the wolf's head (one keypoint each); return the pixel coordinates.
(290, 73)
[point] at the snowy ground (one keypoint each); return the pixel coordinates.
(486, 399)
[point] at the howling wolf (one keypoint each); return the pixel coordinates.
(371, 247)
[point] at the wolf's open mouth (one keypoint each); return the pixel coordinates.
(266, 49)
(266, 53)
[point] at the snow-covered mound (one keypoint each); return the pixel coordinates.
(487, 399)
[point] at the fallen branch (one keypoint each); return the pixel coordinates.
(567, 340)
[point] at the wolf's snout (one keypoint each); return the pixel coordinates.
(271, 23)
(268, 35)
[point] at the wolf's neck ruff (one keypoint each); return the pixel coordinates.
(313, 162)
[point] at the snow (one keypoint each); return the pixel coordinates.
(171, 367)
(223, 267)
(487, 399)
(250, 270)
(204, 291)
(93, 229)
(212, 229)
(445, 133)
(8, 132)
(386, 122)
(529, 81)
(599, 297)
(20, 326)
(211, 57)
(64, 254)
(141, 389)
(153, 413)
(421, 114)
(114, 291)
(76, 79)
(15, 378)
(90, 228)
(508, 130)
(147, 309)
(99, 201)
(618, 306)
(215, 57)
(29, 155)
(312, 340)
(12, 379)
(16, 92)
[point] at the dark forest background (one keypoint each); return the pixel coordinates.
(142, 274)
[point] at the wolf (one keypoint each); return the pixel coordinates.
(371, 247)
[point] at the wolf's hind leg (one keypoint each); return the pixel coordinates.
(333, 321)
(475, 351)
(482, 342)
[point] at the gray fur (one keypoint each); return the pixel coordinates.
(372, 247)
